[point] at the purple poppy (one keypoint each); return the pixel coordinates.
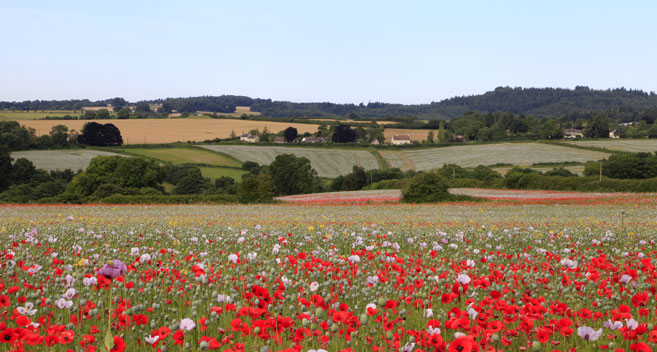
(587, 333)
(112, 271)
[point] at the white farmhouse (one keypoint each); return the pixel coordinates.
(401, 139)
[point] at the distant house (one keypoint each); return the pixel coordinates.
(280, 140)
(612, 134)
(458, 138)
(375, 142)
(315, 139)
(572, 133)
(398, 139)
(249, 138)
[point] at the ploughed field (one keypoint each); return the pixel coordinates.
(456, 277)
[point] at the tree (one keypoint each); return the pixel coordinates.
(15, 136)
(118, 103)
(426, 187)
(344, 134)
(290, 134)
(598, 127)
(127, 172)
(430, 137)
(124, 113)
(143, 107)
(59, 135)
(255, 189)
(225, 184)
(22, 171)
(188, 185)
(96, 134)
(550, 130)
(166, 107)
(88, 115)
(293, 175)
(5, 167)
(356, 180)
(102, 114)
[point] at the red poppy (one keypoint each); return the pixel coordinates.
(4, 301)
(8, 336)
(119, 345)
(67, 336)
(543, 335)
(640, 347)
(179, 337)
(464, 344)
(140, 319)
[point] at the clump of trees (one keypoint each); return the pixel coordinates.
(95, 134)
(426, 187)
(22, 182)
(625, 166)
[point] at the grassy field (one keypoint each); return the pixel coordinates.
(179, 156)
(155, 131)
(216, 172)
(327, 162)
(522, 154)
(61, 159)
(35, 115)
(623, 145)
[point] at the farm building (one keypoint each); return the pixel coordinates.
(401, 139)
(249, 138)
(280, 140)
(314, 140)
(572, 133)
(375, 142)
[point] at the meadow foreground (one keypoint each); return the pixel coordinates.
(456, 277)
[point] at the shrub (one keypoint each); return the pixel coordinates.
(426, 187)
(255, 189)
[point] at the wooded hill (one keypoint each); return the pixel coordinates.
(539, 102)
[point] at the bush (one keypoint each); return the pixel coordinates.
(255, 189)
(165, 199)
(426, 187)
(560, 171)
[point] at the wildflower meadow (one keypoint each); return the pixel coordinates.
(488, 276)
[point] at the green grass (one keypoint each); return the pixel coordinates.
(35, 115)
(216, 172)
(181, 155)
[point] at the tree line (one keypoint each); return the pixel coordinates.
(539, 102)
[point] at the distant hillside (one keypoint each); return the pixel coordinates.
(540, 102)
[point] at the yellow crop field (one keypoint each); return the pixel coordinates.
(353, 121)
(416, 135)
(155, 131)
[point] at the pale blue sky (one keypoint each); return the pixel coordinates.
(339, 51)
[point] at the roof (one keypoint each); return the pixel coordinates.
(401, 137)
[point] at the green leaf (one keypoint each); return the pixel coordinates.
(108, 341)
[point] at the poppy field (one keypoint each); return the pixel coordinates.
(492, 276)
